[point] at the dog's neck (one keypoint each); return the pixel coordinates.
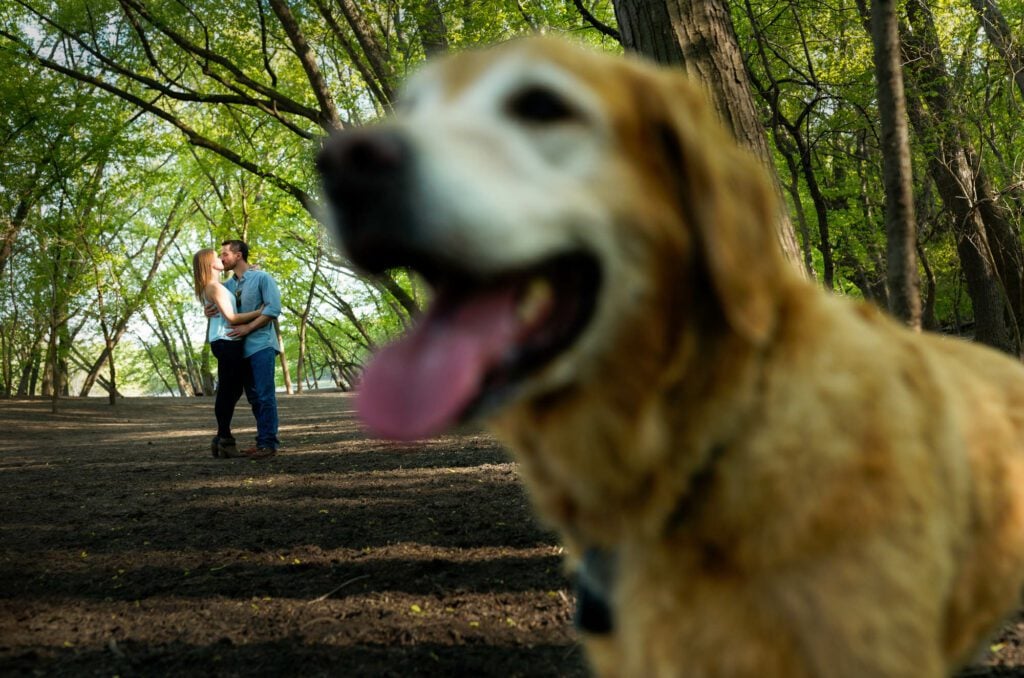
(605, 466)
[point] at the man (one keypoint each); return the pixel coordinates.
(255, 290)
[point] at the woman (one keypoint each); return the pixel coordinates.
(231, 366)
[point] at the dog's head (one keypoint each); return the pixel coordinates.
(577, 215)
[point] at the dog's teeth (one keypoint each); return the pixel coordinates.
(536, 301)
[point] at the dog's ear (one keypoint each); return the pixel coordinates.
(725, 198)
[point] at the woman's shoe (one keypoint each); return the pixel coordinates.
(226, 448)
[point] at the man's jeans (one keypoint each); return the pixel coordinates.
(259, 391)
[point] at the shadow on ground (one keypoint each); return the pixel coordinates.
(128, 550)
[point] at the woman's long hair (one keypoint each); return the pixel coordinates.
(202, 271)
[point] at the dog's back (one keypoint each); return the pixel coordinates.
(865, 518)
(776, 482)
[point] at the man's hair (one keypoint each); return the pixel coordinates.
(238, 246)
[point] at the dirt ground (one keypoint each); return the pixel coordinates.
(127, 550)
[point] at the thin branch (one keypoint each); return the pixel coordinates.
(597, 23)
(330, 593)
(263, 44)
(278, 99)
(328, 111)
(377, 88)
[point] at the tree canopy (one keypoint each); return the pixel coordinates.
(137, 131)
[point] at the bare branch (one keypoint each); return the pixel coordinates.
(597, 23)
(263, 44)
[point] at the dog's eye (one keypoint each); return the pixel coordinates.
(539, 105)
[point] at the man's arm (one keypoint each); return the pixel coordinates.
(250, 327)
(271, 308)
(271, 297)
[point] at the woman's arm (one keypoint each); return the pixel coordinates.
(219, 296)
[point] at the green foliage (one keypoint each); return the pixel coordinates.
(125, 123)
(814, 65)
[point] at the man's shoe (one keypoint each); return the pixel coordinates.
(215, 447)
(227, 448)
(259, 452)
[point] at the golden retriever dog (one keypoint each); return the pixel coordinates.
(752, 477)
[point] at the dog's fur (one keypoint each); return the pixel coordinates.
(783, 483)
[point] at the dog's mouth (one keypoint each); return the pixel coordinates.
(481, 337)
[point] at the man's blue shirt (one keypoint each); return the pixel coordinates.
(251, 290)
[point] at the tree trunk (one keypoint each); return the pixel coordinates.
(284, 359)
(156, 368)
(58, 317)
(206, 371)
(432, 31)
(376, 54)
(304, 318)
(349, 313)
(805, 157)
(873, 280)
(928, 319)
(112, 386)
(335, 357)
(76, 358)
(51, 380)
(1004, 241)
(26, 382)
(178, 333)
(933, 114)
(10, 232)
(7, 367)
(998, 32)
(378, 90)
(98, 364)
(699, 36)
(799, 156)
(180, 377)
(793, 187)
(900, 227)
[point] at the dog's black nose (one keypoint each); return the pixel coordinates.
(367, 179)
(363, 164)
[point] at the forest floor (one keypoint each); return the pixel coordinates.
(126, 549)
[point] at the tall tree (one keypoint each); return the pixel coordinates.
(989, 252)
(699, 36)
(997, 29)
(900, 227)
(795, 146)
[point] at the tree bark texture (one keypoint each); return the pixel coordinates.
(900, 226)
(699, 36)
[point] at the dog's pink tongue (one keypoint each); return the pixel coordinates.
(418, 386)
